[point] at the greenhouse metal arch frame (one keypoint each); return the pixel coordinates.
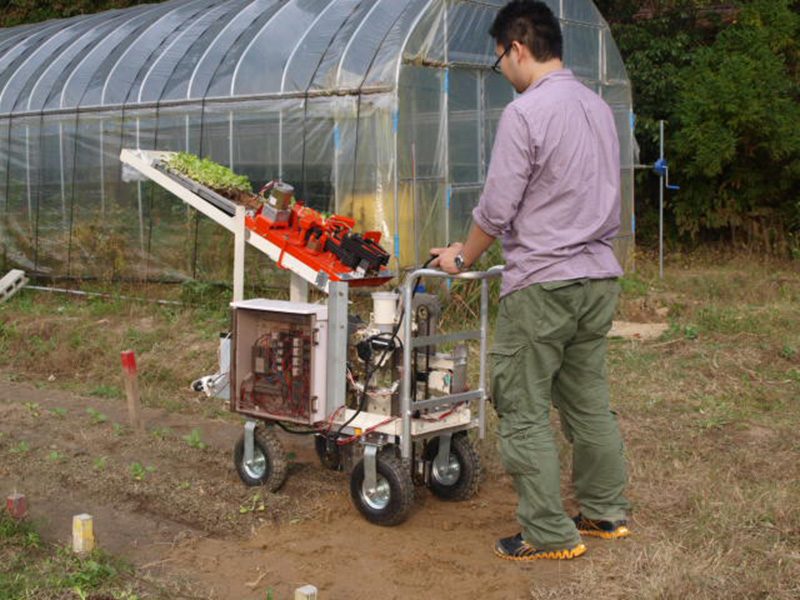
(381, 109)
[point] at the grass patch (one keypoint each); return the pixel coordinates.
(32, 568)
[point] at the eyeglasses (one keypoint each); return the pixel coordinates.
(496, 65)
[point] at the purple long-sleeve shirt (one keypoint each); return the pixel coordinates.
(552, 191)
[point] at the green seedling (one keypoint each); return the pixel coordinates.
(139, 472)
(185, 485)
(59, 412)
(291, 455)
(33, 408)
(256, 504)
(55, 456)
(193, 439)
(117, 429)
(270, 595)
(691, 332)
(161, 433)
(294, 522)
(100, 463)
(20, 448)
(97, 416)
(788, 352)
(209, 173)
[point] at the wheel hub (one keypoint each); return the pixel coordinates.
(256, 468)
(447, 474)
(377, 499)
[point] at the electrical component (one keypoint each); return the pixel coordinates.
(278, 363)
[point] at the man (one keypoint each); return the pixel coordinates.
(552, 196)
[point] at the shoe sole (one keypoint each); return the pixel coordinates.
(554, 555)
(619, 532)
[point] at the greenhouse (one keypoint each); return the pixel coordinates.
(383, 110)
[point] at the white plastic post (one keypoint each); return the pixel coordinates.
(307, 592)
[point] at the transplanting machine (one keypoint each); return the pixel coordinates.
(385, 398)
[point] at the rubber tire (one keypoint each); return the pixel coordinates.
(329, 460)
(401, 491)
(466, 486)
(277, 467)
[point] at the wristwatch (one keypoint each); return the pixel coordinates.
(460, 265)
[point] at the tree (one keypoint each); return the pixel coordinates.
(17, 12)
(738, 141)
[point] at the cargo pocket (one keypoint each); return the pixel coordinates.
(518, 448)
(507, 378)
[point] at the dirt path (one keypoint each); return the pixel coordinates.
(191, 517)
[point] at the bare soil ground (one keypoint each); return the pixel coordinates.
(193, 518)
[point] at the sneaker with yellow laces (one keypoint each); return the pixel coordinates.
(515, 548)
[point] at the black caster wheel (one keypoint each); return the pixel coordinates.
(330, 456)
(269, 466)
(458, 479)
(391, 500)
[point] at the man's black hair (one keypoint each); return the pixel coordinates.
(532, 24)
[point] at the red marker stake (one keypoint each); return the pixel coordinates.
(17, 506)
(131, 377)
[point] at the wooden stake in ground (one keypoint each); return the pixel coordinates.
(130, 374)
(17, 506)
(82, 533)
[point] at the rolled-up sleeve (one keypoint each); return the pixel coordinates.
(509, 173)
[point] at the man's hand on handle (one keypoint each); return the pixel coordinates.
(446, 258)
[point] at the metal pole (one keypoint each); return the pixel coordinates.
(484, 348)
(661, 209)
(406, 383)
(414, 199)
(336, 383)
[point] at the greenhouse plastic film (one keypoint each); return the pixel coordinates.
(172, 67)
(225, 57)
(325, 72)
(163, 25)
(264, 64)
(464, 126)
(582, 50)
(344, 150)
(364, 46)
(87, 82)
(402, 42)
(309, 49)
(367, 192)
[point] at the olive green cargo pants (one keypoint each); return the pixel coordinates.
(550, 349)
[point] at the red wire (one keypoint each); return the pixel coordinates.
(354, 438)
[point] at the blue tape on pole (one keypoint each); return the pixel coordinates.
(449, 196)
(447, 81)
(633, 223)
(633, 121)
(395, 120)
(397, 245)
(337, 137)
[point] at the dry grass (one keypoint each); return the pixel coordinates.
(710, 419)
